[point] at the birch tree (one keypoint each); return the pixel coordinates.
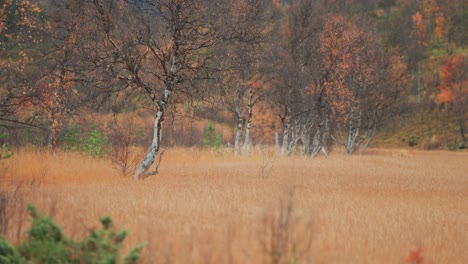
(296, 54)
(244, 33)
(364, 83)
(159, 48)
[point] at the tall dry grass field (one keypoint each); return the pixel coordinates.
(207, 207)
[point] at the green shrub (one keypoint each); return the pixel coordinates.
(462, 145)
(211, 139)
(134, 255)
(412, 141)
(92, 143)
(47, 244)
(95, 144)
(70, 137)
(103, 245)
(8, 253)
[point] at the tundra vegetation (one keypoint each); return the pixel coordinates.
(254, 86)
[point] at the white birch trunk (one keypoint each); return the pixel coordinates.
(355, 121)
(155, 144)
(142, 170)
(277, 147)
(320, 140)
(305, 138)
(368, 137)
(238, 132)
(295, 136)
(286, 125)
(247, 140)
(246, 147)
(325, 136)
(351, 131)
(316, 143)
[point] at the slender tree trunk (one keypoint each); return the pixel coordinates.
(142, 170)
(349, 143)
(53, 130)
(460, 118)
(155, 144)
(277, 147)
(239, 126)
(353, 133)
(369, 135)
(316, 143)
(247, 140)
(286, 125)
(461, 126)
(305, 138)
(295, 136)
(354, 136)
(325, 136)
(419, 82)
(320, 141)
(57, 108)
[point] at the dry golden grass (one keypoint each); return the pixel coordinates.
(206, 207)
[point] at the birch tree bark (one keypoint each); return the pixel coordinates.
(247, 140)
(239, 126)
(142, 171)
(286, 125)
(295, 137)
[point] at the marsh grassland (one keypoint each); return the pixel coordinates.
(206, 207)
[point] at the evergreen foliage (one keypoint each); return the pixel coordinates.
(70, 137)
(47, 244)
(211, 139)
(95, 144)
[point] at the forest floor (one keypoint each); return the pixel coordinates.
(383, 206)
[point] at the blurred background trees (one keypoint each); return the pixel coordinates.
(313, 74)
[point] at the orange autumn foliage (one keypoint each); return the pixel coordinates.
(340, 44)
(420, 29)
(277, 3)
(453, 86)
(440, 24)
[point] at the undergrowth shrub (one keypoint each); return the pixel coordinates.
(211, 139)
(95, 144)
(47, 244)
(8, 253)
(412, 142)
(70, 137)
(92, 142)
(122, 137)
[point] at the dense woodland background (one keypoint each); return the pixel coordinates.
(90, 89)
(304, 75)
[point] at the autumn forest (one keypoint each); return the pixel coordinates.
(353, 113)
(308, 73)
